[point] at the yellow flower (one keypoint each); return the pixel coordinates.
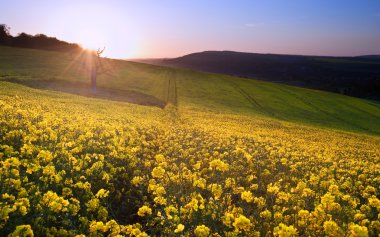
(331, 228)
(159, 158)
(358, 231)
(197, 166)
(160, 200)
(45, 155)
(228, 218)
(144, 210)
(328, 202)
(137, 180)
(200, 183)
(158, 172)
(169, 211)
(102, 193)
(303, 215)
(55, 202)
(259, 201)
(359, 216)
(23, 210)
(193, 204)
(230, 183)
(374, 202)
(179, 228)
(97, 226)
(247, 196)
(159, 191)
(7, 196)
(334, 189)
(283, 230)
(266, 214)
(22, 230)
(307, 192)
(284, 161)
(93, 204)
(219, 165)
(242, 223)
(273, 188)
(216, 190)
(113, 227)
(202, 231)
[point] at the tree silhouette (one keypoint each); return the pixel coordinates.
(38, 41)
(5, 36)
(95, 66)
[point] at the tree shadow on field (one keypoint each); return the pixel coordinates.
(83, 89)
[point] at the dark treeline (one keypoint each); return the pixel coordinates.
(39, 41)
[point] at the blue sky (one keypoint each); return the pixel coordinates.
(169, 28)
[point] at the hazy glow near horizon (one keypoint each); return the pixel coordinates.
(170, 28)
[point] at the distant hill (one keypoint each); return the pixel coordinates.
(354, 76)
(375, 57)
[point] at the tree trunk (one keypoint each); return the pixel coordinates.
(93, 80)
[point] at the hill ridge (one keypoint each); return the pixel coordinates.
(354, 76)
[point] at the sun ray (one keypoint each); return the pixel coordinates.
(73, 61)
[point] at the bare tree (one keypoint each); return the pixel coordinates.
(96, 67)
(93, 63)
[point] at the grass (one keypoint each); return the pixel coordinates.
(194, 91)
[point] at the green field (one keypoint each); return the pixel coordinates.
(226, 156)
(204, 91)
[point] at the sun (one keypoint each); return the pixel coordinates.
(92, 39)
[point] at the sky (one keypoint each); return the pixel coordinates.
(173, 28)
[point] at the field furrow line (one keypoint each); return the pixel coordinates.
(251, 99)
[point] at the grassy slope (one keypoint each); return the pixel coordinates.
(216, 120)
(65, 106)
(204, 92)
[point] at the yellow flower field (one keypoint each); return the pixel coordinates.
(72, 166)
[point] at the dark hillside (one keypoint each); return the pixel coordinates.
(354, 76)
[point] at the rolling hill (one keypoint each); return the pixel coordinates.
(193, 90)
(354, 76)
